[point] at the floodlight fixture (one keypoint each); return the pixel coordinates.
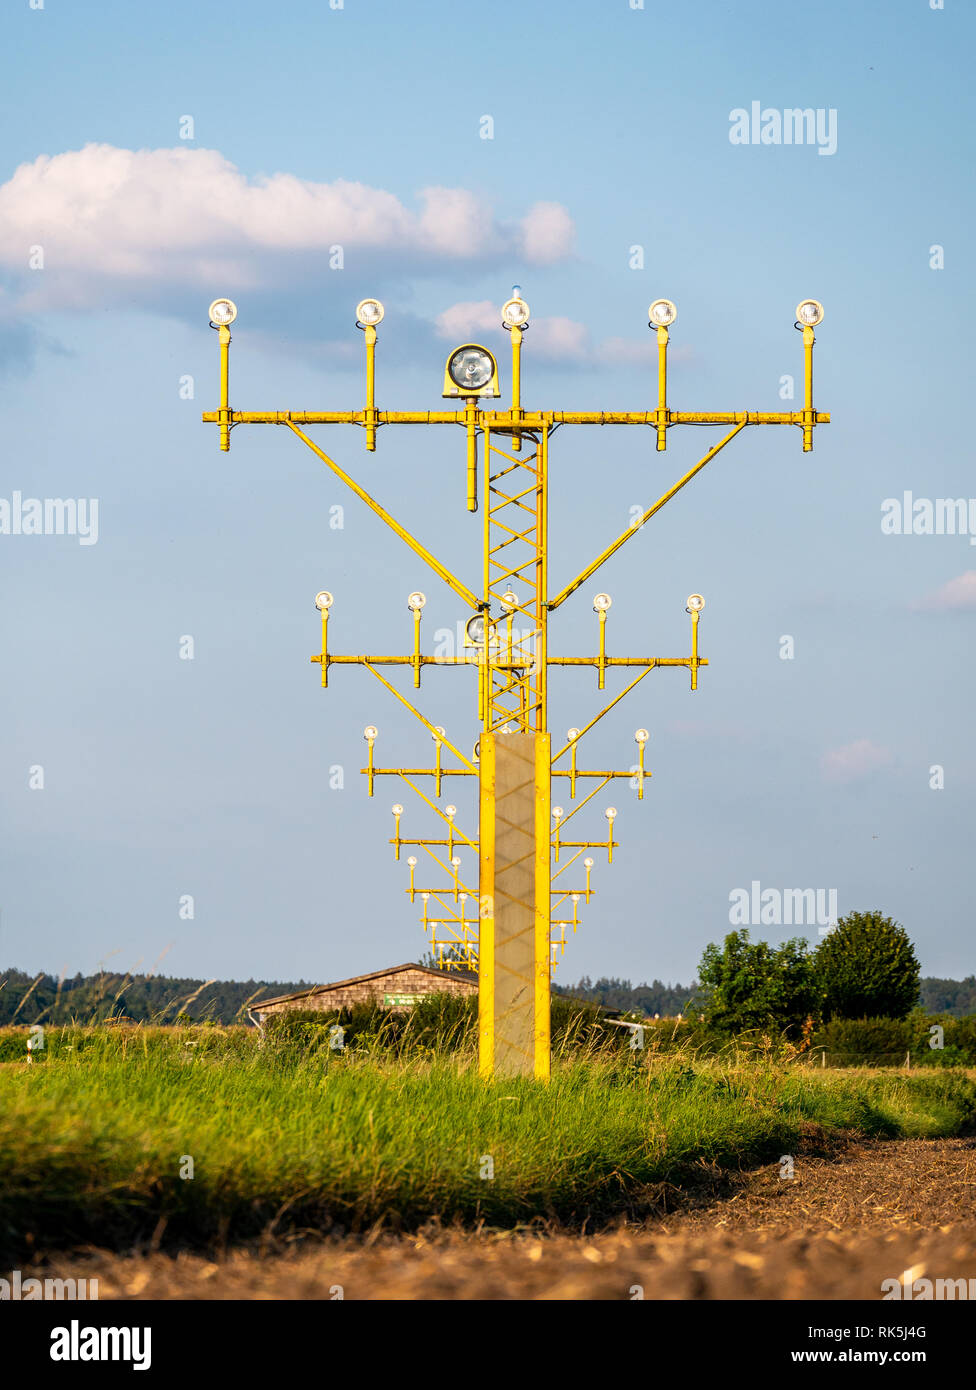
(515, 311)
(223, 312)
(369, 312)
(809, 312)
(471, 371)
(662, 313)
(324, 601)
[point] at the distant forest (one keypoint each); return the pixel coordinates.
(655, 998)
(163, 999)
(143, 998)
(955, 997)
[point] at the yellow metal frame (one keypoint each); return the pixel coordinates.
(486, 936)
(515, 547)
(512, 664)
(542, 1056)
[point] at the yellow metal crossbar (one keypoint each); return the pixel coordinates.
(520, 927)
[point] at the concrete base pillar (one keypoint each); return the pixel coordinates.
(513, 955)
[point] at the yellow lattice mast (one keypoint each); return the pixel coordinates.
(507, 918)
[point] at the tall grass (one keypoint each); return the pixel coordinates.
(93, 1142)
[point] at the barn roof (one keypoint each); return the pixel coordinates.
(361, 979)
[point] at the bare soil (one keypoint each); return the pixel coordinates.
(835, 1229)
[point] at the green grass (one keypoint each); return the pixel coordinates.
(92, 1140)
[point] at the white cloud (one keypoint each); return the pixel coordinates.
(555, 339)
(958, 594)
(469, 319)
(547, 233)
(116, 219)
(855, 760)
(561, 340)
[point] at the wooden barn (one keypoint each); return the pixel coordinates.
(398, 988)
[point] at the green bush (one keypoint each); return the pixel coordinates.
(440, 1023)
(856, 1042)
(867, 968)
(752, 985)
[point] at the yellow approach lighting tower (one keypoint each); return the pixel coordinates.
(509, 922)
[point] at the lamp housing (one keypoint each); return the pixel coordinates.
(470, 371)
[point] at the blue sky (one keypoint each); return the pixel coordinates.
(314, 127)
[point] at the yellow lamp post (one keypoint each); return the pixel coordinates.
(509, 922)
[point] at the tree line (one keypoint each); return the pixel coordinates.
(43, 998)
(865, 968)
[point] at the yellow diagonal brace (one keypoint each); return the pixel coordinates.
(460, 589)
(636, 525)
(606, 710)
(565, 893)
(435, 733)
(459, 834)
(595, 792)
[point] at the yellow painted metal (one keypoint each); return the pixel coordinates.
(471, 421)
(530, 419)
(455, 833)
(543, 910)
(809, 415)
(486, 912)
(416, 649)
(223, 337)
(516, 336)
(637, 524)
(467, 772)
(517, 663)
(606, 710)
(514, 883)
(369, 766)
(324, 657)
(662, 388)
(369, 332)
(517, 932)
(515, 557)
(649, 661)
(438, 773)
(416, 713)
(425, 772)
(460, 589)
